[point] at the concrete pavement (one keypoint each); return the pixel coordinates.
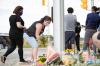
(13, 59)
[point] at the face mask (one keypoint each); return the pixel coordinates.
(20, 13)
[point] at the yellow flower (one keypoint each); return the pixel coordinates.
(40, 62)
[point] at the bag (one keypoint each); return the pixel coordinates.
(77, 27)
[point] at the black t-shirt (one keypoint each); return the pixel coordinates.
(15, 32)
(32, 29)
(77, 28)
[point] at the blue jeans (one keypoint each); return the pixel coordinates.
(69, 39)
(88, 34)
(85, 46)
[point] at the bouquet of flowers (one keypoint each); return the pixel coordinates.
(85, 57)
(68, 58)
(41, 60)
(69, 51)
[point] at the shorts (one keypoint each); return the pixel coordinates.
(31, 40)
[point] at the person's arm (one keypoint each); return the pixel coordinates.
(86, 20)
(19, 25)
(38, 30)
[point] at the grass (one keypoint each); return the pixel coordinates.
(26, 45)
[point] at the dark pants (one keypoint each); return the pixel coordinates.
(88, 34)
(14, 43)
(69, 39)
(77, 39)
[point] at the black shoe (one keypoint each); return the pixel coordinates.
(3, 59)
(23, 60)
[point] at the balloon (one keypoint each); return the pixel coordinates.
(95, 40)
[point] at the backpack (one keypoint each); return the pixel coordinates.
(77, 27)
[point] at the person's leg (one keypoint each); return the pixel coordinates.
(20, 50)
(33, 43)
(69, 45)
(94, 48)
(89, 33)
(67, 36)
(86, 40)
(35, 54)
(12, 47)
(77, 39)
(72, 39)
(10, 50)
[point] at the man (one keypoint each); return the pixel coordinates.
(69, 26)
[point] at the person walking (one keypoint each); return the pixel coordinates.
(15, 34)
(32, 35)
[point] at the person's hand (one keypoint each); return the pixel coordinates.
(24, 28)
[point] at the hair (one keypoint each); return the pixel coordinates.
(17, 10)
(94, 8)
(47, 18)
(70, 10)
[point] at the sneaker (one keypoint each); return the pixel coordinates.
(34, 64)
(23, 60)
(80, 52)
(3, 59)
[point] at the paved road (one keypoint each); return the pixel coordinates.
(13, 59)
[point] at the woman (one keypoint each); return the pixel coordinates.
(16, 34)
(92, 23)
(33, 33)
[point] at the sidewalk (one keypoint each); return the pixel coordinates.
(13, 59)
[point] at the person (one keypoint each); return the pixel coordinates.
(77, 36)
(69, 25)
(15, 34)
(92, 23)
(32, 35)
(98, 12)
